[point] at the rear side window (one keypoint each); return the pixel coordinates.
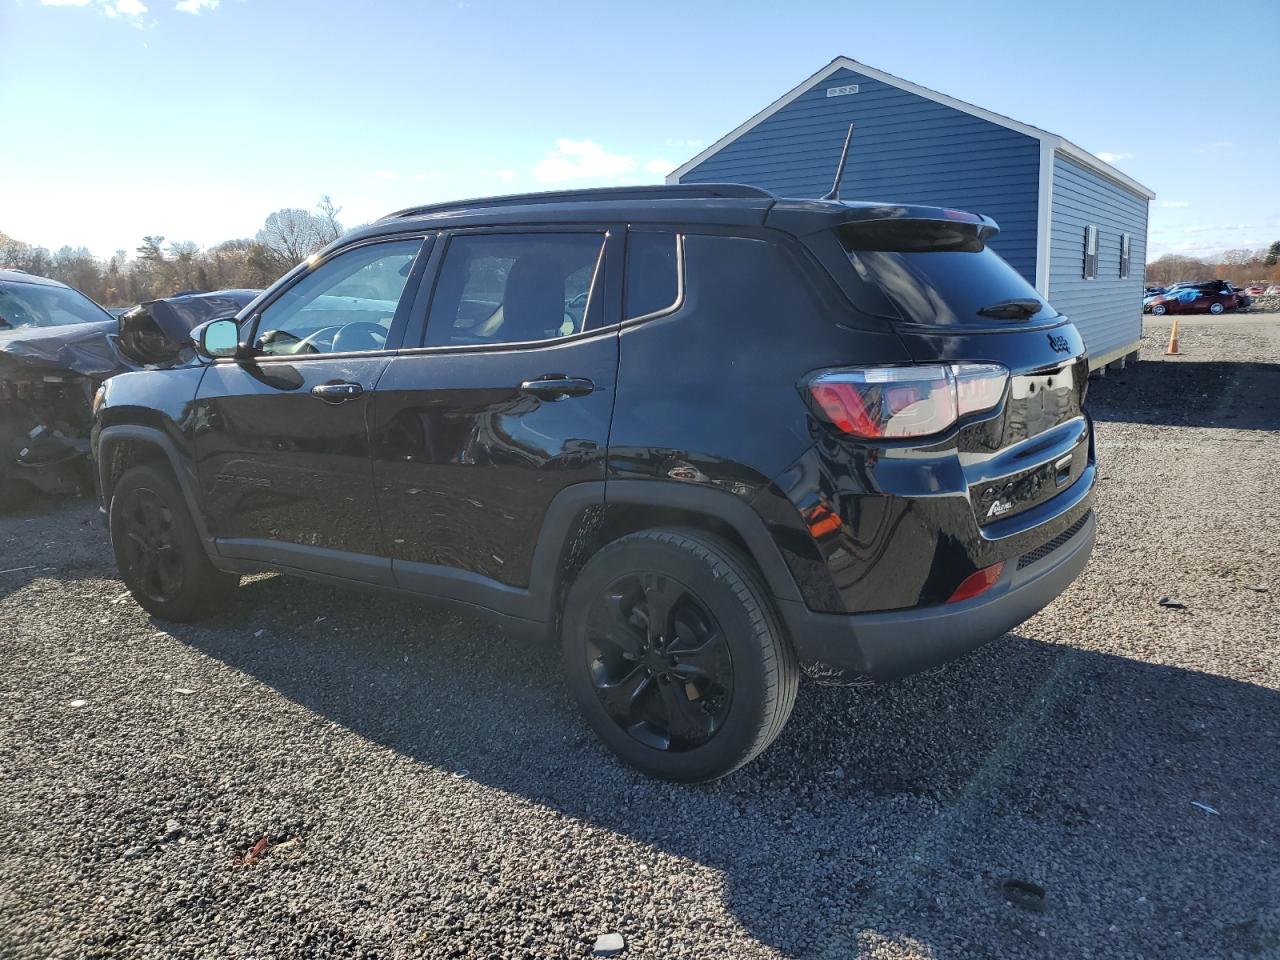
(970, 285)
(515, 288)
(653, 273)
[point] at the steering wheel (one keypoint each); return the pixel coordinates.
(360, 335)
(308, 343)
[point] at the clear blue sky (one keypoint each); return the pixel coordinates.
(196, 118)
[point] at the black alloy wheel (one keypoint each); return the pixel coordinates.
(659, 662)
(149, 557)
(675, 655)
(159, 553)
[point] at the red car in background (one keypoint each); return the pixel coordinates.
(1209, 296)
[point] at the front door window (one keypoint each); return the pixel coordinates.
(346, 305)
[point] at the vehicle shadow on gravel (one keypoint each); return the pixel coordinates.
(1190, 393)
(886, 813)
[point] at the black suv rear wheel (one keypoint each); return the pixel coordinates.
(158, 551)
(674, 653)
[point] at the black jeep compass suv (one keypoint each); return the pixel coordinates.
(708, 436)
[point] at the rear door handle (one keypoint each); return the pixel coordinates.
(557, 388)
(337, 392)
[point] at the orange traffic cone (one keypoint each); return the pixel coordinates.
(1173, 340)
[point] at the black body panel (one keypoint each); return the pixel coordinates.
(466, 464)
(276, 462)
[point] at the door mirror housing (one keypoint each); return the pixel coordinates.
(217, 339)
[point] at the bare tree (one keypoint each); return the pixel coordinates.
(329, 213)
(159, 269)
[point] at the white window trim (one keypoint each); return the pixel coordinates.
(1091, 232)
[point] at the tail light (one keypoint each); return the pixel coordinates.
(879, 403)
(977, 583)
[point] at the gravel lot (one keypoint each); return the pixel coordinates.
(426, 789)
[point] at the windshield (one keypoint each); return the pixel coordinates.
(963, 285)
(44, 305)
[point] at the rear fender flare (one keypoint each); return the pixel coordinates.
(568, 507)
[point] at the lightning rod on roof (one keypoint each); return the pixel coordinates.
(844, 157)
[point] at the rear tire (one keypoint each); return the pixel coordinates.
(1159, 310)
(675, 655)
(1216, 308)
(159, 553)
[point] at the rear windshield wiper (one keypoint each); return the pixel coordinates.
(1022, 308)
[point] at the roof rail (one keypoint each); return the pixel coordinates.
(672, 191)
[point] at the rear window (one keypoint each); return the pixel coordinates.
(934, 283)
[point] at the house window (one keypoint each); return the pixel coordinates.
(1124, 256)
(1091, 252)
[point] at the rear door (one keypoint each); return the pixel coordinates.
(282, 440)
(503, 401)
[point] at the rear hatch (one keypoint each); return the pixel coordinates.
(952, 299)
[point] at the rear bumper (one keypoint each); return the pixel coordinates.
(885, 646)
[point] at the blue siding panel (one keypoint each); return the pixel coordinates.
(1108, 310)
(907, 149)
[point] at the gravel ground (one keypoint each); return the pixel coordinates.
(425, 788)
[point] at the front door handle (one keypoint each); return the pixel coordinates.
(557, 388)
(337, 392)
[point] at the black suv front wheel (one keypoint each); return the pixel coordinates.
(158, 551)
(674, 653)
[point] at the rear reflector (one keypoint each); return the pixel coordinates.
(977, 583)
(878, 403)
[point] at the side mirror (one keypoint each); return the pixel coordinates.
(215, 339)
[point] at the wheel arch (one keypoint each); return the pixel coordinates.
(629, 506)
(120, 447)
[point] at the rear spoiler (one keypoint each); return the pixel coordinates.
(804, 217)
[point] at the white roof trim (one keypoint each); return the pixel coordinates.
(1054, 141)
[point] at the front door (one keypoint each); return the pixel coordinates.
(282, 441)
(505, 404)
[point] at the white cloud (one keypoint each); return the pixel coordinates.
(505, 174)
(691, 144)
(1216, 147)
(582, 160)
(195, 6)
(1174, 204)
(1108, 157)
(425, 175)
(112, 8)
(660, 167)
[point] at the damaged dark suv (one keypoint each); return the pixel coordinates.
(706, 436)
(53, 354)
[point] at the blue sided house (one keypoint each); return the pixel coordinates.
(1074, 226)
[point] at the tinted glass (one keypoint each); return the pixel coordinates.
(40, 305)
(652, 274)
(945, 288)
(345, 305)
(515, 288)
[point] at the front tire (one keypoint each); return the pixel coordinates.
(1216, 308)
(675, 655)
(158, 551)
(1159, 310)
